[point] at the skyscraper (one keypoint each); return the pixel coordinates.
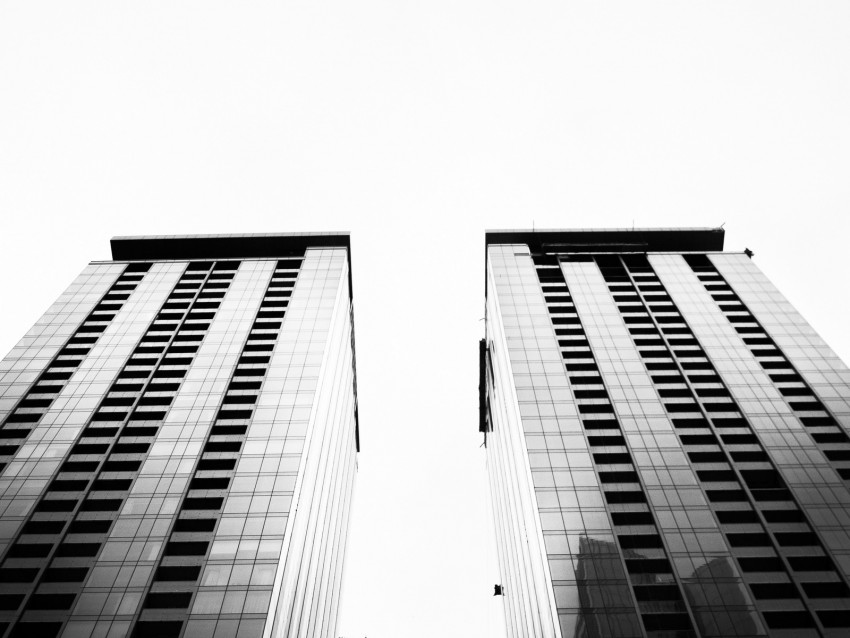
(179, 437)
(666, 441)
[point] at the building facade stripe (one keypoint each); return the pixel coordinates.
(822, 369)
(22, 365)
(529, 596)
(536, 482)
(789, 435)
(97, 474)
(748, 474)
(622, 483)
(323, 313)
(148, 513)
(23, 418)
(705, 570)
(174, 589)
(33, 466)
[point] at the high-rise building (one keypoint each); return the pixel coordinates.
(179, 437)
(666, 441)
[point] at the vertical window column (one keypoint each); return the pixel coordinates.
(173, 593)
(20, 422)
(825, 431)
(822, 369)
(69, 526)
(548, 502)
(701, 557)
(763, 524)
(655, 587)
(328, 442)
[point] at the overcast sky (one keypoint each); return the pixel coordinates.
(416, 125)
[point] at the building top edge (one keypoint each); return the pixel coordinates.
(611, 239)
(233, 246)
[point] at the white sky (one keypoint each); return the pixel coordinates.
(416, 125)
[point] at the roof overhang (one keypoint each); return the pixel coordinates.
(597, 240)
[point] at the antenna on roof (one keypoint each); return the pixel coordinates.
(722, 225)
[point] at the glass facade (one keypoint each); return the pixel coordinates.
(179, 444)
(666, 441)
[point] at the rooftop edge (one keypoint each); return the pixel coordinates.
(612, 239)
(237, 246)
